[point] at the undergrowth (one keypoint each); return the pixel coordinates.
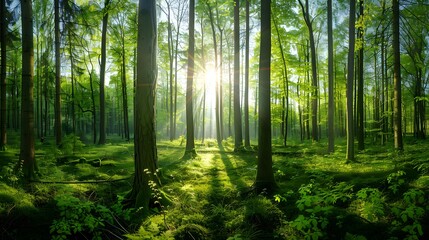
(211, 197)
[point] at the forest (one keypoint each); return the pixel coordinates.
(214, 119)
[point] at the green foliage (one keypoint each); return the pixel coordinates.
(191, 232)
(12, 174)
(315, 205)
(409, 213)
(396, 181)
(371, 203)
(71, 144)
(260, 211)
(82, 217)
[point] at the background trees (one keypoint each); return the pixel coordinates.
(308, 75)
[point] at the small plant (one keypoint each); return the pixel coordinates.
(84, 218)
(11, 174)
(410, 213)
(372, 203)
(315, 205)
(396, 181)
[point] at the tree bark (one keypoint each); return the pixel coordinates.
(145, 152)
(190, 141)
(102, 139)
(27, 111)
(264, 173)
(331, 104)
(57, 106)
(350, 76)
(397, 102)
(246, 79)
(238, 135)
(360, 83)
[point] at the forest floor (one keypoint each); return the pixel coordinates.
(383, 195)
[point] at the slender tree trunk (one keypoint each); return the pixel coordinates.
(102, 139)
(218, 133)
(246, 79)
(58, 123)
(285, 86)
(27, 111)
(350, 76)
(125, 93)
(314, 81)
(331, 104)
(360, 83)
(171, 62)
(190, 142)
(204, 86)
(397, 103)
(238, 136)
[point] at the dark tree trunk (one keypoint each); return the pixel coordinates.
(102, 139)
(264, 174)
(190, 141)
(145, 152)
(27, 111)
(350, 76)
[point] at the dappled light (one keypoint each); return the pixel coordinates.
(214, 119)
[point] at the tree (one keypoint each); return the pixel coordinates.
(190, 142)
(238, 143)
(314, 81)
(27, 112)
(264, 173)
(246, 79)
(360, 108)
(350, 77)
(3, 32)
(102, 139)
(331, 104)
(58, 124)
(145, 152)
(397, 95)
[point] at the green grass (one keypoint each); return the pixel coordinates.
(212, 195)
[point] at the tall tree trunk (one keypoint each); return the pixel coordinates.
(145, 152)
(102, 139)
(264, 173)
(238, 136)
(171, 62)
(246, 79)
(73, 110)
(285, 86)
(57, 112)
(331, 104)
(125, 93)
(204, 87)
(314, 81)
(360, 108)
(27, 111)
(350, 76)
(3, 32)
(217, 108)
(397, 102)
(190, 142)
